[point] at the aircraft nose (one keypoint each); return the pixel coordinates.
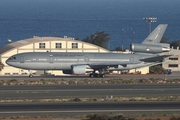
(7, 62)
(11, 61)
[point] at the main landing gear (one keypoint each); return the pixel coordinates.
(94, 74)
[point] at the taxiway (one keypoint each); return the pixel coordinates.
(78, 108)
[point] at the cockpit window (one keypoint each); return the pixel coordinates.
(13, 58)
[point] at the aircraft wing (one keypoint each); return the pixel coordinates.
(154, 58)
(106, 65)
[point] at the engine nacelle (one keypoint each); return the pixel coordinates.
(148, 48)
(67, 72)
(76, 69)
(79, 69)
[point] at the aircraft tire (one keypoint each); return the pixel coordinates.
(30, 75)
(91, 75)
(102, 75)
(97, 75)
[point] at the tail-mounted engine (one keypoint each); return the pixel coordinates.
(145, 48)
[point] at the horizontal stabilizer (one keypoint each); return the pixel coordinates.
(155, 58)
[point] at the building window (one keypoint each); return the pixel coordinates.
(24, 73)
(58, 45)
(173, 65)
(173, 58)
(74, 45)
(42, 45)
(15, 73)
(7, 73)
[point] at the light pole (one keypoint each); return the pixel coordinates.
(109, 45)
(132, 35)
(150, 20)
(123, 31)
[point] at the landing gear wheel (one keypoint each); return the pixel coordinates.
(97, 75)
(102, 75)
(91, 75)
(30, 75)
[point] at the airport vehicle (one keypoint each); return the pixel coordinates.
(145, 54)
(168, 71)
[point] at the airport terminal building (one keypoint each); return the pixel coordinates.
(57, 44)
(173, 62)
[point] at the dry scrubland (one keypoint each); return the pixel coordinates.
(88, 81)
(99, 117)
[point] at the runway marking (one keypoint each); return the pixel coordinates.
(85, 111)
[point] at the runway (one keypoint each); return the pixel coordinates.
(90, 91)
(78, 108)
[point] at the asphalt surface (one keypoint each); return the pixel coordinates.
(70, 109)
(174, 75)
(91, 91)
(72, 91)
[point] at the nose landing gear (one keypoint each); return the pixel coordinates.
(30, 74)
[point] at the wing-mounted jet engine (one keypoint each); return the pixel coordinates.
(77, 69)
(150, 48)
(82, 69)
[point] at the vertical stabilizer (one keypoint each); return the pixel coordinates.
(156, 35)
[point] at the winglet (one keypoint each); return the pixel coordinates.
(156, 35)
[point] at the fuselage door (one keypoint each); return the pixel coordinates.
(51, 59)
(132, 59)
(21, 59)
(86, 59)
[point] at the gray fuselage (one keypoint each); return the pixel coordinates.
(64, 61)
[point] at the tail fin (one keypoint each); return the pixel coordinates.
(156, 35)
